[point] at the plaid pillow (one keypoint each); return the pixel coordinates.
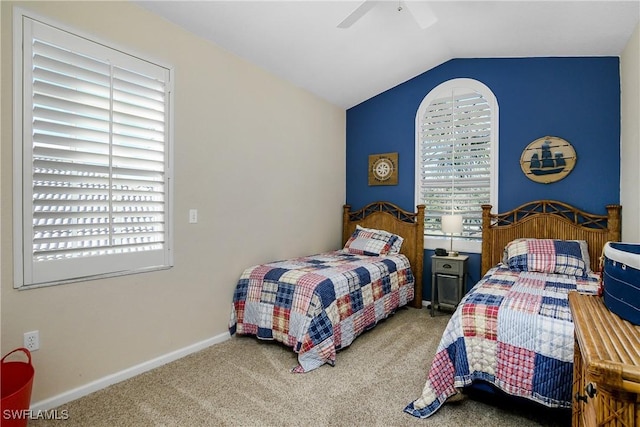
(397, 244)
(547, 256)
(370, 242)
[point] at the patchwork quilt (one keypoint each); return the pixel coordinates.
(319, 304)
(513, 330)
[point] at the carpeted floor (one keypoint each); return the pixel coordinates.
(246, 382)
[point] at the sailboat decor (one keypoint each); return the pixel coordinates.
(548, 159)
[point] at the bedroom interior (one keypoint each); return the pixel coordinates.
(271, 185)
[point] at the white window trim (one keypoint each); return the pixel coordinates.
(461, 244)
(19, 169)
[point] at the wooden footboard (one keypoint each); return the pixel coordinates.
(389, 217)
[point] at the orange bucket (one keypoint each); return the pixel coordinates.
(17, 379)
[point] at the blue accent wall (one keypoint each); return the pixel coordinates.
(577, 99)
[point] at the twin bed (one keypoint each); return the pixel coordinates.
(513, 330)
(319, 304)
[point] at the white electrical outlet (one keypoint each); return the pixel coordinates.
(32, 340)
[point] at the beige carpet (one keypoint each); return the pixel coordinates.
(246, 382)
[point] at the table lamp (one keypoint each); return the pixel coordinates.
(451, 224)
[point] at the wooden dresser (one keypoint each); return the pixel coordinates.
(606, 371)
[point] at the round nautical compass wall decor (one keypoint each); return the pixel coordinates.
(548, 159)
(383, 169)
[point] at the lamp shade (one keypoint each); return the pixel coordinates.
(451, 223)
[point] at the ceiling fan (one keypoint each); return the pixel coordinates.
(420, 10)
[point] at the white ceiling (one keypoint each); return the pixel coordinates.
(300, 42)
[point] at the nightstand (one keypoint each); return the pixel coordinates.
(448, 281)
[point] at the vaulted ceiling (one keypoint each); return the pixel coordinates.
(301, 42)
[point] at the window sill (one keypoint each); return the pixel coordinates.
(460, 245)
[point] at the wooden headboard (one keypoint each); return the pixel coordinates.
(547, 219)
(389, 217)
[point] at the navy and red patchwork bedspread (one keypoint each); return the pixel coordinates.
(513, 330)
(318, 304)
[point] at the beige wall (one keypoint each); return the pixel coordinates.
(262, 161)
(630, 139)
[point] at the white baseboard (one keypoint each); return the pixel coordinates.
(76, 393)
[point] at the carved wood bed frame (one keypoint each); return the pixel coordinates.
(389, 217)
(547, 219)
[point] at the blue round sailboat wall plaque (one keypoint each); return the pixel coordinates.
(548, 159)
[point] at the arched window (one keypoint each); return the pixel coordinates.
(457, 155)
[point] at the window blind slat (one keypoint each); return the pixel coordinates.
(68, 118)
(67, 59)
(99, 97)
(58, 127)
(147, 92)
(150, 77)
(137, 114)
(70, 107)
(93, 82)
(124, 133)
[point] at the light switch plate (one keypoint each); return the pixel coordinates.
(193, 216)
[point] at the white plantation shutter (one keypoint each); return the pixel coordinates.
(454, 165)
(95, 159)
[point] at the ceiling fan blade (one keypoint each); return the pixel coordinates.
(358, 13)
(422, 13)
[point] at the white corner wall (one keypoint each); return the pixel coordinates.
(263, 162)
(630, 138)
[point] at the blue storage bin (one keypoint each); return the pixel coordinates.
(621, 279)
